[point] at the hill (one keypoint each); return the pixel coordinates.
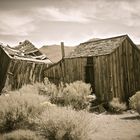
(53, 52)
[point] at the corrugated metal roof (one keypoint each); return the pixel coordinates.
(98, 47)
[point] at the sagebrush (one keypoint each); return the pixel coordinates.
(138, 107)
(17, 110)
(22, 135)
(116, 107)
(134, 102)
(61, 123)
(30, 108)
(72, 94)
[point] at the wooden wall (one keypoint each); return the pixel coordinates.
(67, 70)
(4, 63)
(22, 72)
(70, 70)
(102, 74)
(131, 68)
(16, 72)
(118, 74)
(115, 75)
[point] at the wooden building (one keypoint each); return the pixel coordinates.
(21, 65)
(111, 66)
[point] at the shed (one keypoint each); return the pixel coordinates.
(21, 65)
(111, 66)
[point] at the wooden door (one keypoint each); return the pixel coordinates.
(89, 72)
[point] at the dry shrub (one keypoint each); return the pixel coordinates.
(73, 94)
(61, 123)
(17, 110)
(138, 107)
(48, 88)
(30, 89)
(35, 88)
(116, 107)
(21, 135)
(134, 102)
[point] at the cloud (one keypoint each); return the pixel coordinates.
(69, 20)
(15, 24)
(65, 15)
(109, 11)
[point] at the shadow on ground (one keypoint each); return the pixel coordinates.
(131, 118)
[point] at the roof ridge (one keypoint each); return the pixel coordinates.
(104, 39)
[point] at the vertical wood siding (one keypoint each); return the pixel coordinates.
(116, 75)
(67, 70)
(4, 63)
(22, 72)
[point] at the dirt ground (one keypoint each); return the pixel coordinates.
(117, 127)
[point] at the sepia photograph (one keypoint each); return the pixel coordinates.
(69, 69)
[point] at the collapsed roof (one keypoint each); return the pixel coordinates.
(97, 47)
(25, 50)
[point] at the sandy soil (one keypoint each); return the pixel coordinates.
(117, 127)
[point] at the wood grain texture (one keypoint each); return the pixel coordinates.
(116, 75)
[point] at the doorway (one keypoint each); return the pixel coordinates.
(89, 73)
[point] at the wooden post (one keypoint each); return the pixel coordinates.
(62, 49)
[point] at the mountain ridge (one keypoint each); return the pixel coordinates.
(53, 52)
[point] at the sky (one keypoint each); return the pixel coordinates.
(46, 22)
